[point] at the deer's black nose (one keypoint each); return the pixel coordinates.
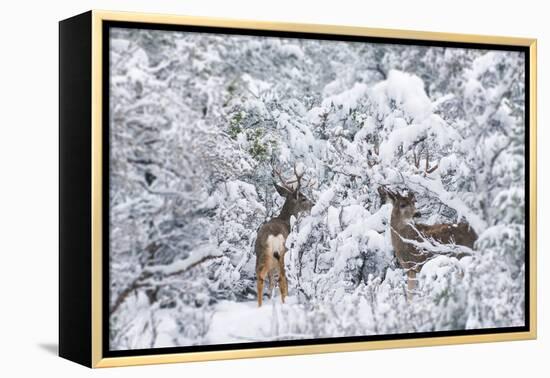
(418, 214)
(276, 255)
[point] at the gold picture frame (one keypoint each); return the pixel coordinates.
(89, 329)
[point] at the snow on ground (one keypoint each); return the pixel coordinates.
(198, 123)
(237, 322)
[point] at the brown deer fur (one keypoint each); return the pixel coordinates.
(270, 242)
(408, 255)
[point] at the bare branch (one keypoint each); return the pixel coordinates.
(136, 284)
(146, 274)
(427, 159)
(432, 169)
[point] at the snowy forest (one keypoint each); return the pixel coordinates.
(199, 121)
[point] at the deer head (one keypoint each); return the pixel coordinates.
(295, 201)
(404, 207)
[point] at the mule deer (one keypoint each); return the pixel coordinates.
(408, 237)
(270, 242)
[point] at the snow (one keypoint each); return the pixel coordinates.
(237, 322)
(293, 51)
(323, 202)
(198, 121)
(256, 86)
(376, 241)
(347, 99)
(473, 88)
(334, 87)
(354, 212)
(443, 99)
(238, 189)
(333, 220)
(178, 266)
(453, 201)
(482, 64)
(448, 163)
(406, 90)
(402, 135)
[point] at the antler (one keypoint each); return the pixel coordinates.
(283, 182)
(287, 183)
(298, 177)
(383, 190)
(385, 193)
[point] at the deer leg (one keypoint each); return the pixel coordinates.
(411, 283)
(271, 283)
(261, 280)
(283, 286)
(260, 290)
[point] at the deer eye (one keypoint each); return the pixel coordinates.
(403, 205)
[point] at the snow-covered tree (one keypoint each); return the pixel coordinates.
(197, 123)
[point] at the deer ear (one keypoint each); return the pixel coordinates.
(282, 191)
(385, 194)
(411, 196)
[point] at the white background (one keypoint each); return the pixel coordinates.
(29, 186)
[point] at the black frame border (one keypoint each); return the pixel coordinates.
(105, 43)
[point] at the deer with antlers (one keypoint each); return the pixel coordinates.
(411, 241)
(270, 242)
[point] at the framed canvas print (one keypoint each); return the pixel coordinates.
(235, 189)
